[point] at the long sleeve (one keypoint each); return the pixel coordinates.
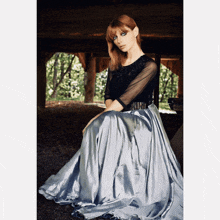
(107, 88)
(138, 84)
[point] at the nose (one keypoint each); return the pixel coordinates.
(119, 40)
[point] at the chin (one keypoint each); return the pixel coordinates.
(124, 50)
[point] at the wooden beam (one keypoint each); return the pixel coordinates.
(151, 45)
(160, 20)
(101, 54)
(180, 81)
(90, 79)
(41, 79)
(170, 57)
(102, 63)
(156, 90)
(82, 59)
(173, 65)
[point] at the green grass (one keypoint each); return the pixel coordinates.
(66, 99)
(164, 106)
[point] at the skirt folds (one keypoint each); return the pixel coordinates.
(125, 167)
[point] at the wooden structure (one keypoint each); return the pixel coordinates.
(79, 27)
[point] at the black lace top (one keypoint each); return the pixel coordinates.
(132, 83)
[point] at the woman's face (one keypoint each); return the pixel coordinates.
(125, 40)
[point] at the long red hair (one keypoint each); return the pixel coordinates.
(115, 53)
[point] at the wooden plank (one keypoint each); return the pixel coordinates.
(41, 79)
(82, 59)
(162, 46)
(180, 81)
(156, 90)
(90, 79)
(153, 19)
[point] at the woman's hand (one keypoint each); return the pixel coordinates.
(108, 102)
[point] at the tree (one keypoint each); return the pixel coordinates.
(54, 94)
(168, 84)
(56, 84)
(101, 79)
(64, 77)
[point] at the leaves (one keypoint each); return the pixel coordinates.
(101, 79)
(69, 77)
(168, 84)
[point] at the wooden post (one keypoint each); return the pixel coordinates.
(41, 79)
(82, 59)
(90, 79)
(99, 61)
(180, 80)
(156, 90)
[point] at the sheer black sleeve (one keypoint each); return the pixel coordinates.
(107, 88)
(138, 84)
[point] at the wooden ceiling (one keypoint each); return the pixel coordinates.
(80, 26)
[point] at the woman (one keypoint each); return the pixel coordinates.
(125, 167)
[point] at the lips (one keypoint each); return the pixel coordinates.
(122, 46)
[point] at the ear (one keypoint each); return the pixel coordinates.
(136, 31)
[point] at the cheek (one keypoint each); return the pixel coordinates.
(131, 40)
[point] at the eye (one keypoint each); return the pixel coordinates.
(123, 34)
(115, 37)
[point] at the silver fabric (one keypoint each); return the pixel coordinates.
(125, 167)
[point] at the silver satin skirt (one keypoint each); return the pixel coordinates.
(125, 167)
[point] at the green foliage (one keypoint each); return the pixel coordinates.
(168, 84)
(72, 85)
(101, 79)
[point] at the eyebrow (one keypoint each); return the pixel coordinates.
(112, 33)
(120, 32)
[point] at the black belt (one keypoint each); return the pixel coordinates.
(138, 105)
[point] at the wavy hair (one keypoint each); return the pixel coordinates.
(115, 53)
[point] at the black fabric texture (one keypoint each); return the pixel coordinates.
(132, 83)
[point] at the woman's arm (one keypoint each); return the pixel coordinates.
(113, 106)
(138, 84)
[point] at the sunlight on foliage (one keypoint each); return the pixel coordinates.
(168, 84)
(72, 85)
(101, 79)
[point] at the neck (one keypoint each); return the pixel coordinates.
(133, 54)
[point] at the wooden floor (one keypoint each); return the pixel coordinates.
(59, 135)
